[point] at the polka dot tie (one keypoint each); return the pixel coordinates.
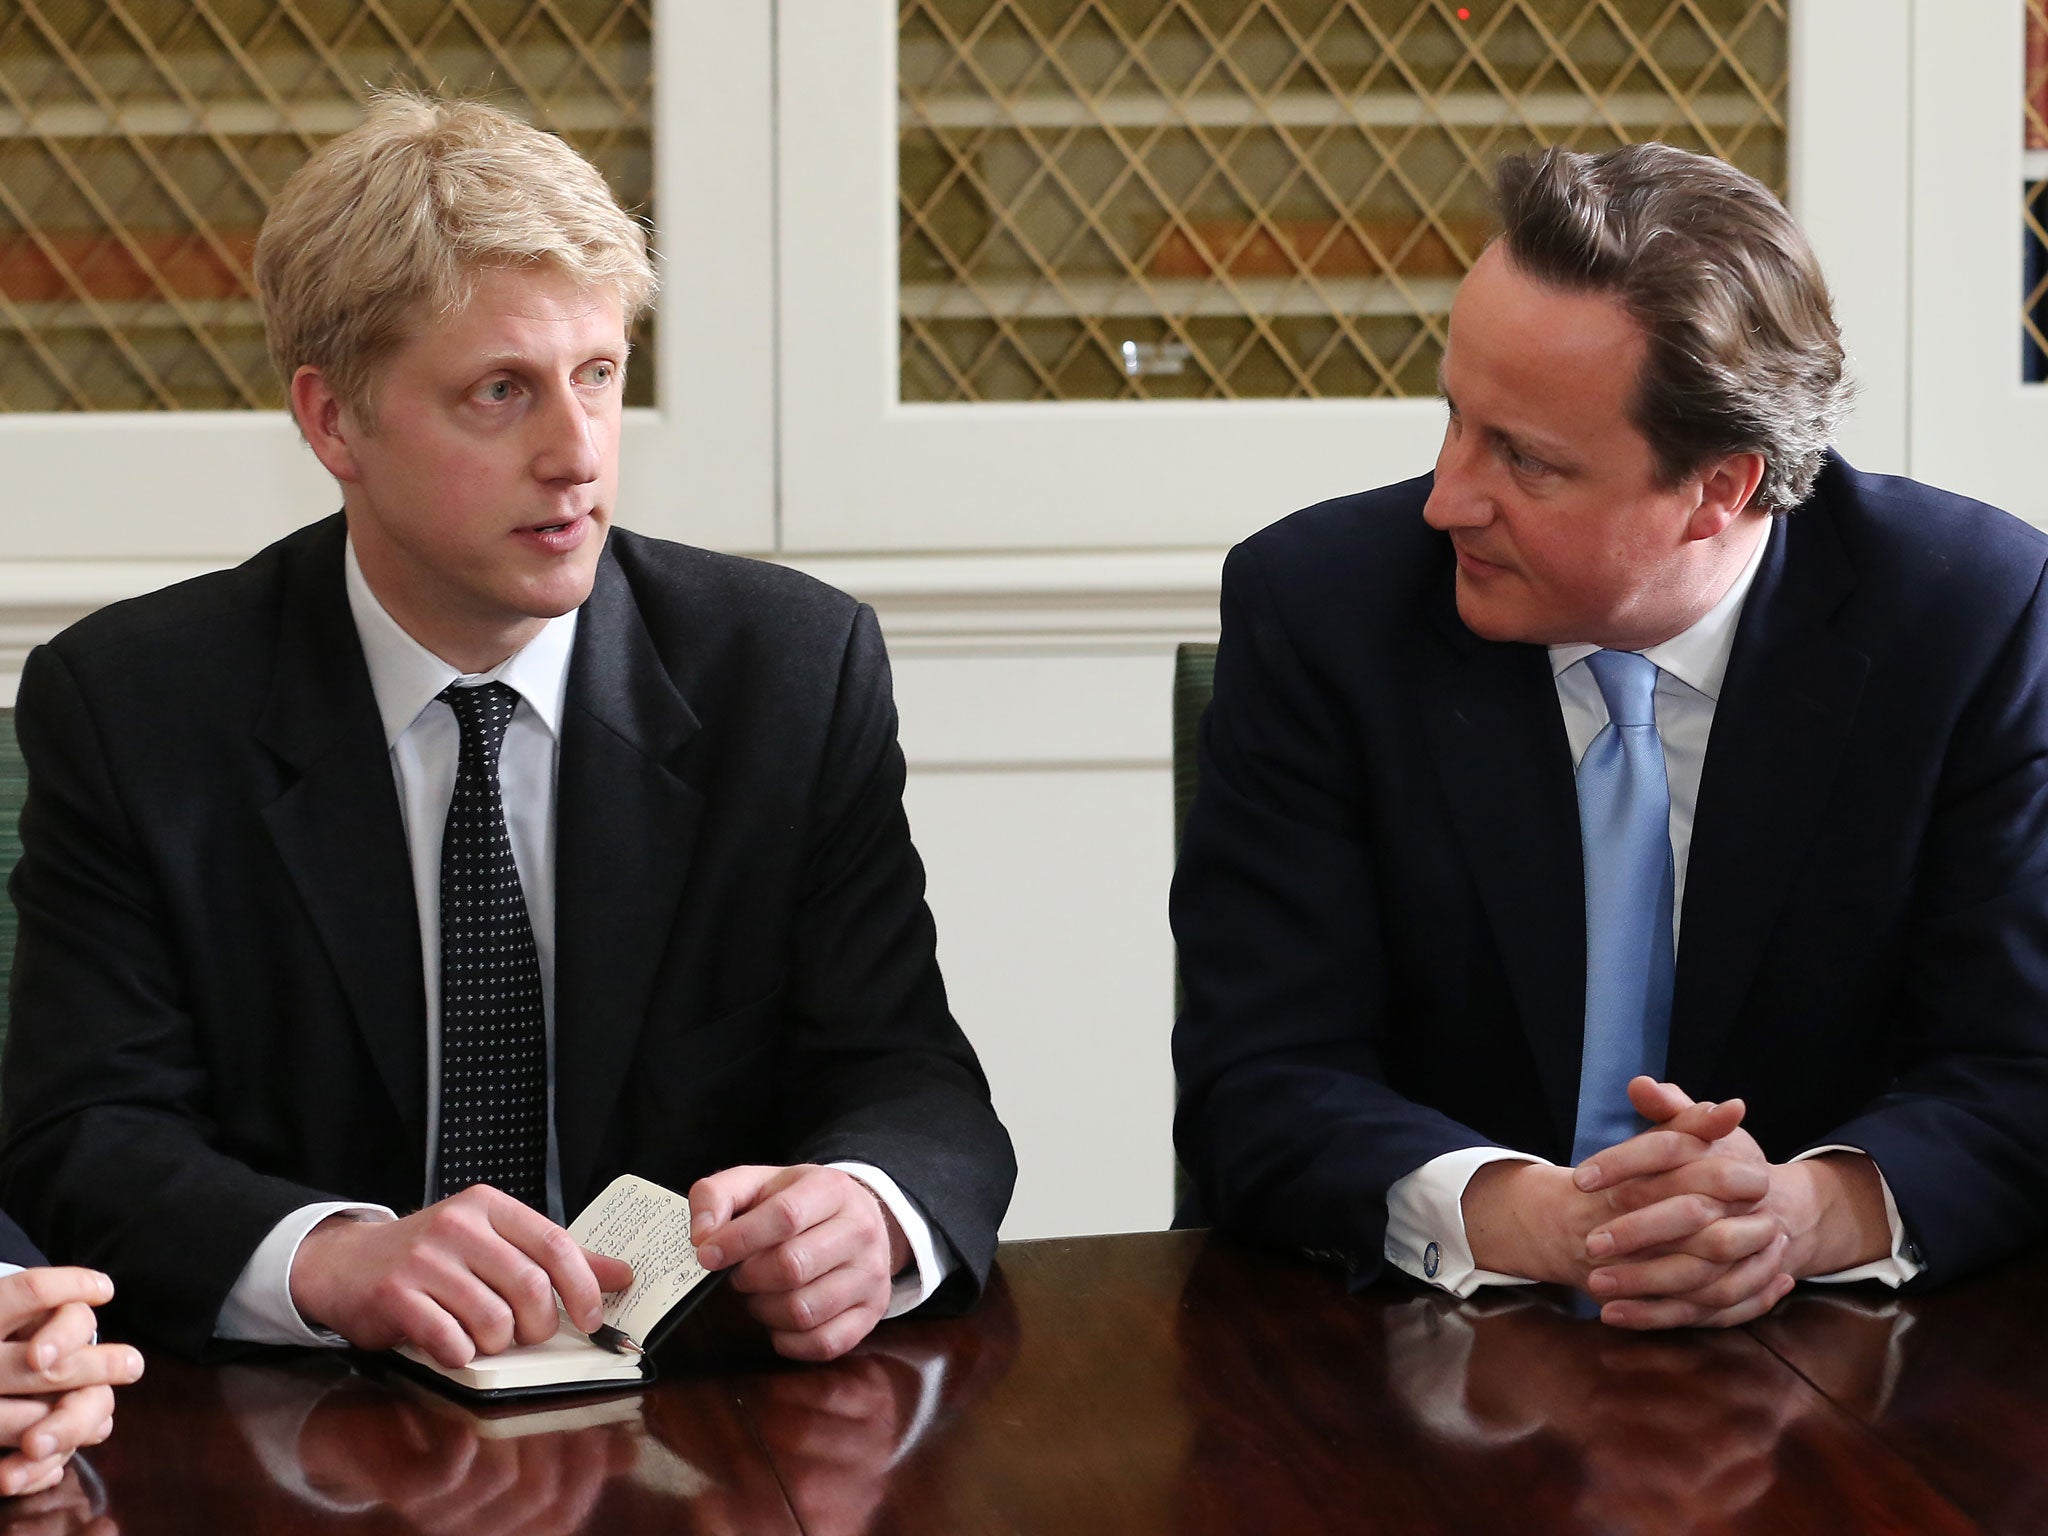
(494, 1054)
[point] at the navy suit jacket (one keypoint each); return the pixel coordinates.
(15, 1248)
(1380, 907)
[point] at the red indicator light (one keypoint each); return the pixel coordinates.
(1464, 13)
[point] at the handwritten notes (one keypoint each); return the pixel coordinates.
(648, 1227)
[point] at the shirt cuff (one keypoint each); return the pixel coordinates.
(259, 1307)
(9, 1269)
(1902, 1264)
(1426, 1221)
(928, 1268)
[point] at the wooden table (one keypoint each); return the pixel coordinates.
(1164, 1382)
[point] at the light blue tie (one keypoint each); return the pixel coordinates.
(1625, 825)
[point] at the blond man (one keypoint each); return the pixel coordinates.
(385, 897)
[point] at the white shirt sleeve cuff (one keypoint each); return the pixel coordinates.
(927, 1271)
(1902, 1264)
(259, 1307)
(1426, 1221)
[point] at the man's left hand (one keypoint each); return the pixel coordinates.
(811, 1248)
(1661, 1270)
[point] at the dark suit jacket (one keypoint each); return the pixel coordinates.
(15, 1248)
(217, 999)
(1380, 904)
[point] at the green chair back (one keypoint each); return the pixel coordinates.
(13, 790)
(1194, 678)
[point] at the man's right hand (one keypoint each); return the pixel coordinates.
(470, 1275)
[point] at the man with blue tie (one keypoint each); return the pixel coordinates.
(1621, 857)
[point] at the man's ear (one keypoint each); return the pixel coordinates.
(1727, 486)
(328, 425)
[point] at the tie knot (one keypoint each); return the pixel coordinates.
(482, 713)
(1628, 682)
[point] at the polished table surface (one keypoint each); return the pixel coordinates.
(1164, 1382)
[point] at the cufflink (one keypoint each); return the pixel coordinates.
(1432, 1260)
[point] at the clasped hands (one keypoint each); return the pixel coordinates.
(56, 1383)
(1686, 1225)
(812, 1249)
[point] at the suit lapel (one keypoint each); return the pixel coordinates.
(1787, 705)
(337, 825)
(1497, 737)
(625, 826)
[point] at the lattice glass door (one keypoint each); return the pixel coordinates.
(1234, 199)
(144, 139)
(1088, 273)
(141, 142)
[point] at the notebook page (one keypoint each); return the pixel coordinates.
(648, 1227)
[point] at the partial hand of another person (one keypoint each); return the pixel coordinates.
(1661, 1267)
(56, 1385)
(68, 1507)
(811, 1248)
(469, 1275)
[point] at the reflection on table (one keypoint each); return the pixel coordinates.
(77, 1506)
(1164, 1382)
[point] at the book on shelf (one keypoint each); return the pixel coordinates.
(636, 1220)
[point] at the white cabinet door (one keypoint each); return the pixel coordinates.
(865, 468)
(1977, 427)
(212, 486)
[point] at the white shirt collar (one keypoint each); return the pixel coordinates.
(406, 677)
(1698, 656)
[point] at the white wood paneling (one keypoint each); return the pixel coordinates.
(1976, 428)
(1851, 149)
(1049, 889)
(1041, 798)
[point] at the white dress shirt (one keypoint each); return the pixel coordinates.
(423, 738)
(1425, 1209)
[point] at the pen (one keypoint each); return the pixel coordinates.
(614, 1340)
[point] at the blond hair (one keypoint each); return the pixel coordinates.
(394, 220)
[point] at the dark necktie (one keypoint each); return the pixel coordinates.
(494, 1055)
(1625, 825)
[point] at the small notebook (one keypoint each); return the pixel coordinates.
(649, 1227)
